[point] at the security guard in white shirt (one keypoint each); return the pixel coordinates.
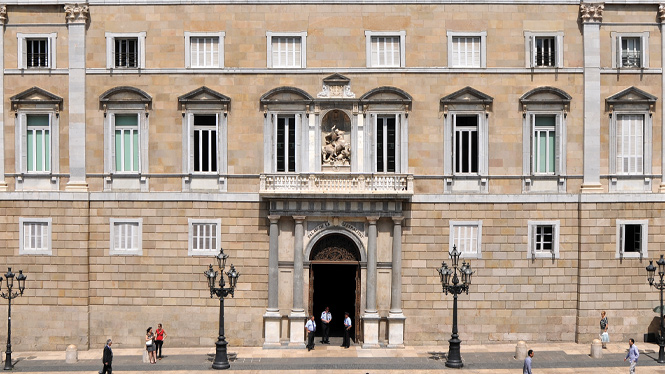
(325, 320)
(310, 327)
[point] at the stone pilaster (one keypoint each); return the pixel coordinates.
(371, 316)
(297, 316)
(272, 319)
(396, 317)
(592, 16)
(661, 19)
(3, 147)
(77, 17)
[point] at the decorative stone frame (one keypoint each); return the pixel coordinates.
(125, 100)
(631, 101)
(544, 101)
(531, 253)
(402, 47)
(303, 48)
(188, 53)
(467, 101)
(479, 236)
(530, 48)
(190, 236)
(203, 100)
(136, 252)
(620, 254)
(51, 46)
(21, 245)
(36, 101)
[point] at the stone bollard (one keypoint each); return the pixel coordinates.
(520, 351)
(596, 349)
(71, 354)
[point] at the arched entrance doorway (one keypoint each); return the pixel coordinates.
(334, 281)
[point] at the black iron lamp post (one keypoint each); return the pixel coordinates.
(455, 284)
(9, 277)
(221, 359)
(651, 270)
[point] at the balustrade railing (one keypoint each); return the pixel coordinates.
(336, 183)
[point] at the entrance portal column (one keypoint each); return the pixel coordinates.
(271, 318)
(396, 317)
(297, 316)
(371, 317)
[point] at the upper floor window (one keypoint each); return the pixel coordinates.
(543, 241)
(36, 51)
(204, 50)
(38, 142)
(630, 144)
(204, 237)
(466, 143)
(466, 237)
(287, 50)
(126, 236)
(467, 50)
(385, 49)
(544, 49)
(544, 143)
(631, 50)
(386, 143)
(125, 50)
(632, 238)
(35, 236)
(285, 144)
(126, 142)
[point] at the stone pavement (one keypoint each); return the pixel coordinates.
(553, 358)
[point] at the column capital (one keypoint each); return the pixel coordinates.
(372, 219)
(299, 218)
(592, 12)
(3, 14)
(661, 13)
(274, 218)
(398, 220)
(76, 13)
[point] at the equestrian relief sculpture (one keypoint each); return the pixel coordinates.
(336, 151)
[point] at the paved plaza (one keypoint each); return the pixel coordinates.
(554, 358)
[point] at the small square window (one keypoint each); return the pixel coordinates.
(204, 50)
(544, 49)
(385, 49)
(126, 237)
(543, 241)
(467, 50)
(204, 237)
(36, 51)
(466, 237)
(287, 50)
(125, 50)
(630, 50)
(35, 236)
(632, 238)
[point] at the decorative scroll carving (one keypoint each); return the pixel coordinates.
(3, 14)
(76, 13)
(336, 86)
(661, 13)
(334, 254)
(592, 12)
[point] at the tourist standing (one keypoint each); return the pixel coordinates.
(604, 336)
(310, 327)
(160, 335)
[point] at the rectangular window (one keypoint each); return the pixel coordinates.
(630, 144)
(386, 138)
(204, 237)
(544, 144)
(466, 144)
(35, 236)
(545, 51)
(632, 238)
(286, 144)
(466, 52)
(631, 52)
(465, 236)
(286, 52)
(37, 53)
(126, 237)
(543, 239)
(126, 143)
(204, 52)
(205, 143)
(126, 52)
(38, 143)
(385, 51)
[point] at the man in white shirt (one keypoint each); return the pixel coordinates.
(325, 320)
(310, 327)
(347, 331)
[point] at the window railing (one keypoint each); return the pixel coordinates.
(632, 59)
(337, 183)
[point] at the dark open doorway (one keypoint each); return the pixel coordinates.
(335, 287)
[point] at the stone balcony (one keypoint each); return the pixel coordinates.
(366, 185)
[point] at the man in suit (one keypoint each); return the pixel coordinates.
(107, 358)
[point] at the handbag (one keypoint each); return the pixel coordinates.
(605, 337)
(148, 343)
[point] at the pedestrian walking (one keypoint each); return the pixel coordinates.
(633, 355)
(347, 331)
(310, 327)
(527, 362)
(150, 345)
(160, 335)
(604, 335)
(325, 322)
(107, 358)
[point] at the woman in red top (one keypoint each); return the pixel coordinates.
(160, 335)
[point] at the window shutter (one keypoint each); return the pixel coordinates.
(297, 140)
(111, 141)
(190, 143)
(622, 244)
(398, 143)
(23, 125)
(619, 63)
(374, 141)
(532, 47)
(23, 56)
(274, 142)
(557, 145)
(218, 143)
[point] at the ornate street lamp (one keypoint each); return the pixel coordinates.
(9, 277)
(221, 358)
(651, 270)
(455, 284)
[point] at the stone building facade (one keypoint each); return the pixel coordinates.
(336, 150)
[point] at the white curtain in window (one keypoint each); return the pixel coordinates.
(630, 144)
(204, 52)
(286, 51)
(466, 51)
(385, 51)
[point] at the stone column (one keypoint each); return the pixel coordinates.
(3, 146)
(592, 16)
(297, 316)
(396, 317)
(77, 16)
(371, 316)
(661, 19)
(271, 318)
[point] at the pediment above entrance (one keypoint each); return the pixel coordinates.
(631, 98)
(467, 98)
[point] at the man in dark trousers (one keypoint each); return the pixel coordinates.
(107, 358)
(310, 327)
(325, 321)
(347, 331)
